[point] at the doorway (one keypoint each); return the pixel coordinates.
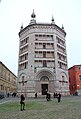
(44, 88)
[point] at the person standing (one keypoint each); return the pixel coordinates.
(35, 95)
(59, 97)
(54, 95)
(48, 96)
(22, 102)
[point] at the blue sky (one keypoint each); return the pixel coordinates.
(15, 12)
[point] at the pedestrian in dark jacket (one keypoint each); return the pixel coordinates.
(54, 95)
(35, 95)
(48, 96)
(59, 97)
(22, 102)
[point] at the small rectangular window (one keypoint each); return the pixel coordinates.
(44, 64)
(80, 86)
(44, 45)
(44, 54)
(25, 65)
(35, 70)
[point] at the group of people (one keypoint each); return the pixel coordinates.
(58, 96)
(11, 94)
(48, 98)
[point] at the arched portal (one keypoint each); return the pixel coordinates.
(44, 81)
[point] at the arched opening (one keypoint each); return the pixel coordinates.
(44, 78)
(44, 82)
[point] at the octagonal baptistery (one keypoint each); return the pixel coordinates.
(42, 64)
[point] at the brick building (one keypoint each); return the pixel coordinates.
(7, 80)
(75, 79)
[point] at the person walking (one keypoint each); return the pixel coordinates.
(48, 96)
(22, 102)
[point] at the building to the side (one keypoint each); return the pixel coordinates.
(75, 79)
(8, 81)
(42, 64)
